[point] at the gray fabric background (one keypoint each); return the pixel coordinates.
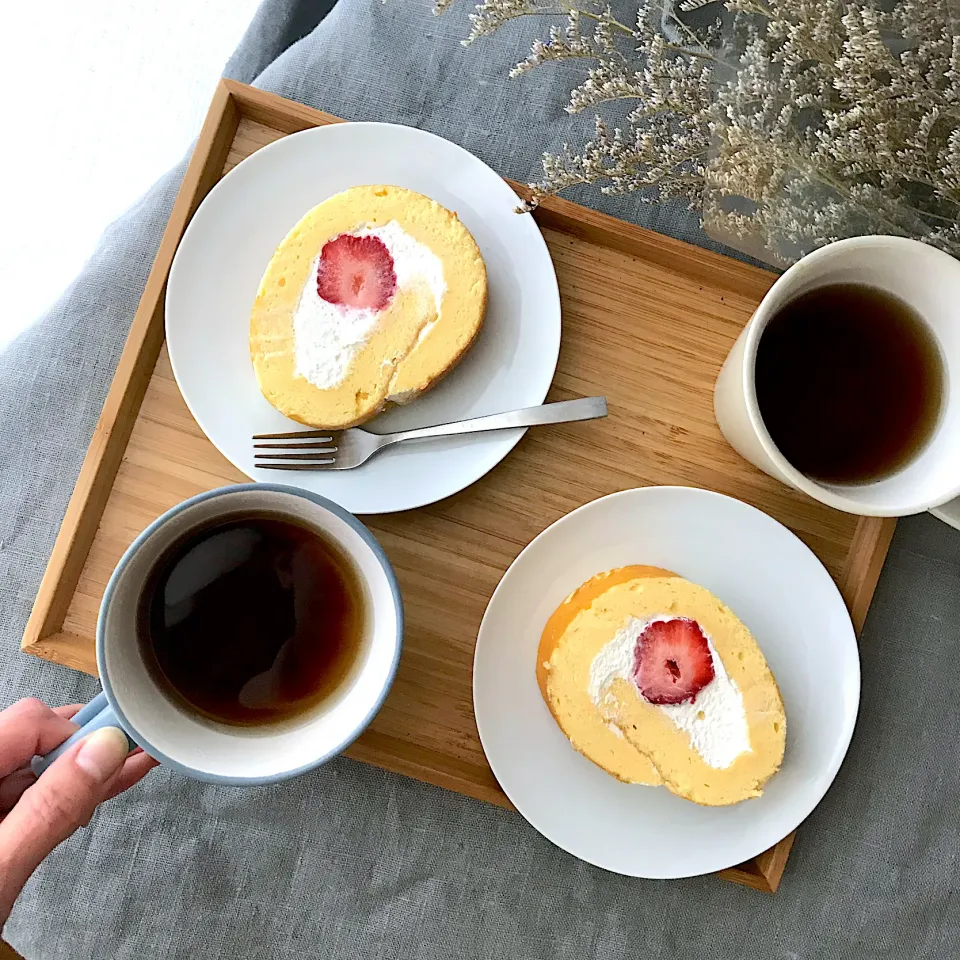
(353, 862)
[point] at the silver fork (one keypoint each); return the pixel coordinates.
(346, 449)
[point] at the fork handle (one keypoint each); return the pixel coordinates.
(566, 411)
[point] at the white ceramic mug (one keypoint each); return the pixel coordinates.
(929, 281)
(224, 753)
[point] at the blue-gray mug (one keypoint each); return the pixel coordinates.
(225, 753)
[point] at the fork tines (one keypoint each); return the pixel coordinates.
(321, 450)
(299, 435)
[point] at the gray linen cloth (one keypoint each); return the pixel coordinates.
(353, 862)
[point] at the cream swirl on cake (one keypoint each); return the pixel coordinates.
(372, 297)
(713, 717)
(328, 332)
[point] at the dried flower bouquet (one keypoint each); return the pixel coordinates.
(786, 123)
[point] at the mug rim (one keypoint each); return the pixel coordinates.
(754, 330)
(339, 512)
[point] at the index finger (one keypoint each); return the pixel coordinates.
(28, 728)
(68, 710)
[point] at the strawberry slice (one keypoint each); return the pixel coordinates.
(672, 661)
(356, 272)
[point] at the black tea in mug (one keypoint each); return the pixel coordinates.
(850, 383)
(252, 619)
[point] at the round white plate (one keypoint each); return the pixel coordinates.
(233, 235)
(771, 580)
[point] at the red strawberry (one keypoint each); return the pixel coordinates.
(672, 661)
(356, 272)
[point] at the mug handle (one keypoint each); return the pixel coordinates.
(96, 714)
(949, 512)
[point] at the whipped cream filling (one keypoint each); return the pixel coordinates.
(716, 720)
(327, 336)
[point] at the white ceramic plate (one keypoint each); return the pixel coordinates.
(233, 235)
(771, 580)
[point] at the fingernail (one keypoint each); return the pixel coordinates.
(102, 753)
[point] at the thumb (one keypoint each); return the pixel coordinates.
(63, 799)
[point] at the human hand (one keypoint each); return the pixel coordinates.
(36, 815)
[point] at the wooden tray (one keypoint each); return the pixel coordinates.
(647, 321)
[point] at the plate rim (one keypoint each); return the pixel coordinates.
(844, 739)
(508, 439)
